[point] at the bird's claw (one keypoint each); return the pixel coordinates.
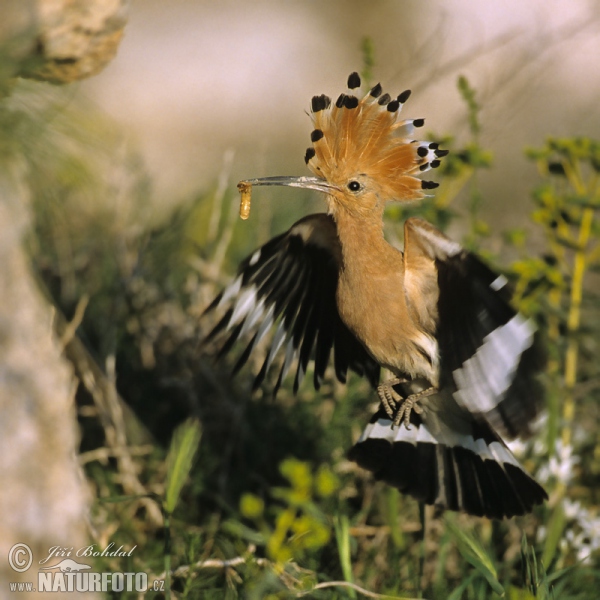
(403, 413)
(396, 406)
(390, 398)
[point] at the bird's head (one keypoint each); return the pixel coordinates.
(362, 155)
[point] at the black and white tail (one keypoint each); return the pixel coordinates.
(447, 458)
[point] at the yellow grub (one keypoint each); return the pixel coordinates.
(246, 193)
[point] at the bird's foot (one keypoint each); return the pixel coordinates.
(403, 413)
(396, 406)
(389, 397)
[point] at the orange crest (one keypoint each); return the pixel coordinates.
(364, 137)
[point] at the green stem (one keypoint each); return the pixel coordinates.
(555, 298)
(342, 535)
(573, 320)
(167, 556)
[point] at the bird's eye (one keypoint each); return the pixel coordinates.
(354, 186)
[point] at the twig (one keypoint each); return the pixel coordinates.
(217, 203)
(208, 270)
(110, 407)
(456, 63)
(214, 563)
(70, 328)
(355, 587)
(116, 437)
(372, 530)
(102, 454)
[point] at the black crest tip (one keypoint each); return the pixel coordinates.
(353, 80)
(441, 153)
(350, 101)
(384, 99)
(310, 153)
(435, 164)
(393, 106)
(320, 103)
(404, 96)
(316, 135)
(340, 101)
(422, 151)
(419, 122)
(429, 185)
(376, 91)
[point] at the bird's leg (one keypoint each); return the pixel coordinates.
(397, 407)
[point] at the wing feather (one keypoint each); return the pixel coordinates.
(487, 350)
(287, 289)
(489, 354)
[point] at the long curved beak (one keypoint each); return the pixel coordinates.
(310, 183)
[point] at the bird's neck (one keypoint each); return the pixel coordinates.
(362, 241)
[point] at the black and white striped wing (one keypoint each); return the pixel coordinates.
(447, 458)
(287, 289)
(487, 351)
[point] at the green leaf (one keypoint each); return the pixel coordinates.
(515, 237)
(457, 594)
(567, 243)
(241, 531)
(515, 593)
(342, 537)
(585, 201)
(326, 482)
(251, 506)
(556, 527)
(367, 48)
(474, 554)
(468, 94)
(392, 511)
(179, 460)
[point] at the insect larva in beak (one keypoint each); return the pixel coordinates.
(246, 193)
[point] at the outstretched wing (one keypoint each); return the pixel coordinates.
(489, 354)
(287, 288)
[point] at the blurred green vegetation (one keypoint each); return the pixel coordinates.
(265, 505)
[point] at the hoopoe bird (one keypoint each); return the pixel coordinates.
(464, 362)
